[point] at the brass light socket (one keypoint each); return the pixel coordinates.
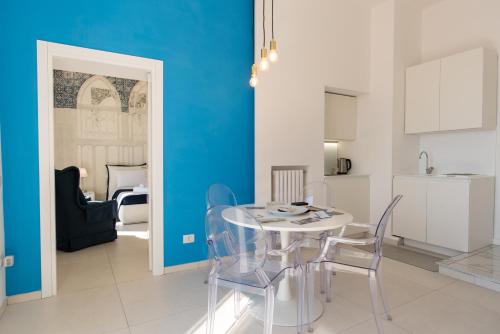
(263, 53)
(254, 70)
(272, 45)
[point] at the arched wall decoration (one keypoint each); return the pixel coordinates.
(96, 131)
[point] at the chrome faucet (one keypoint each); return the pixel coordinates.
(428, 169)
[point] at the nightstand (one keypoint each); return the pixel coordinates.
(89, 195)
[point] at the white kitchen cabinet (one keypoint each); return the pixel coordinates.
(352, 194)
(448, 214)
(340, 117)
(409, 217)
(453, 93)
(455, 212)
(422, 97)
(468, 90)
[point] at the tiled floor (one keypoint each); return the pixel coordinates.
(481, 267)
(132, 303)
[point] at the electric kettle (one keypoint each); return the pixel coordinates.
(343, 165)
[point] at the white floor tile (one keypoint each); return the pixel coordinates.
(441, 313)
(355, 288)
(370, 327)
(473, 294)
(87, 312)
(421, 301)
(77, 276)
(158, 297)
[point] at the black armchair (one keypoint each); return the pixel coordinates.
(79, 223)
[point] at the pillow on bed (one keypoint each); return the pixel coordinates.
(131, 178)
(115, 170)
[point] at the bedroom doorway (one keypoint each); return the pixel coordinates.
(101, 126)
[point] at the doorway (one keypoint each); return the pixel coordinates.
(99, 69)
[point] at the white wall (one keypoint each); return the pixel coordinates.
(321, 43)
(449, 27)
(371, 152)
(407, 36)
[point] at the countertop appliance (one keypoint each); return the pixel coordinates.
(343, 165)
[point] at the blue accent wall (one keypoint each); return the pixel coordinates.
(207, 50)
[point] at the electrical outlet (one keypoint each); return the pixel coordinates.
(188, 238)
(8, 261)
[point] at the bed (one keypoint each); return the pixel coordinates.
(127, 184)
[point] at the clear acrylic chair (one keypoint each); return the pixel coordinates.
(318, 194)
(244, 263)
(338, 258)
(218, 194)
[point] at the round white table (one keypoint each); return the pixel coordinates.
(285, 313)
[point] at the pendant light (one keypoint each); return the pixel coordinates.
(264, 63)
(253, 78)
(273, 52)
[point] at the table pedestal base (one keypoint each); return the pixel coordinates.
(285, 311)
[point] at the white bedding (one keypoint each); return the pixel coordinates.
(132, 213)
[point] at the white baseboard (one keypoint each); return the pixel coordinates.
(24, 297)
(496, 241)
(431, 248)
(3, 306)
(186, 266)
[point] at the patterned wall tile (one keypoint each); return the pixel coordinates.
(68, 84)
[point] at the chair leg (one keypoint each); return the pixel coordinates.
(322, 278)
(301, 294)
(373, 299)
(209, 269)
(212, 304)
(328, 283)
(382, 295)
(310, 297)
(237, 304)
(269, 310)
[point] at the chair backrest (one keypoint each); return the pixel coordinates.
(220, 194)
(238, 242)
(382, 225)
(318, 193)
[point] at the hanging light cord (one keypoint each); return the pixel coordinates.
(264, 21)
(272, 18)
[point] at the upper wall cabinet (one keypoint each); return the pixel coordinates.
(469, 90)
(422, 97)
(454, 93)
(340, 117)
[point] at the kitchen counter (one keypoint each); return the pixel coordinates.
(450, 177)
(348, 175)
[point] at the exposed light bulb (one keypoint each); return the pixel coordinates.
(264, 63)
(273, 52)
(254, 81)
(253, 78)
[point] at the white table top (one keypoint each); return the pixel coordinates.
(334, 222)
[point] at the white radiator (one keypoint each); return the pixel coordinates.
(288, 185)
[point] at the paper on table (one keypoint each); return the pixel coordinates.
(305, 221)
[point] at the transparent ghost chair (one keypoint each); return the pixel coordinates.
(218, 194)
(319, 195)
(243, 262)
(337, 257)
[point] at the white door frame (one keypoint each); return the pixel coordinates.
(46, 52)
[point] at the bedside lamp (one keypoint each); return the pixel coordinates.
(83, 172)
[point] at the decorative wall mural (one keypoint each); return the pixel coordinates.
(68, 84)
(99, 120)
